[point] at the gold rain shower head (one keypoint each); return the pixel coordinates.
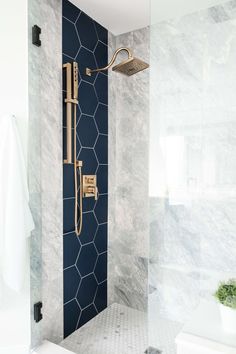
(127, 67)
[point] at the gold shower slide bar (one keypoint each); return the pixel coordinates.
(88, 183)
(71, 108)
(69, 102)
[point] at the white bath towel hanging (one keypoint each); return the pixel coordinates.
(16, 221)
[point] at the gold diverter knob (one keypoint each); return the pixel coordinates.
(90, 188)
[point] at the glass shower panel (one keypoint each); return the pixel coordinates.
(35, 69)
(192, 185)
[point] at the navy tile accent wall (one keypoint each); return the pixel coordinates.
(85, 258)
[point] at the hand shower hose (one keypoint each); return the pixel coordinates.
(77, 164)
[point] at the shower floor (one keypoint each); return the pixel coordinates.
(122, 330)
(162, 334)
(116, 330)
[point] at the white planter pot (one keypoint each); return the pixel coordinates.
(228, 318)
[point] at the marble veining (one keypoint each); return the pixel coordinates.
(193, 122)
(45, 169)
(34, 173)
(51, 166)
(128, 176)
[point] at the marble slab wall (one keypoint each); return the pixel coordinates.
(128, 177)
(51, 169)
(192, 159)
(34, 171)
(45, 169)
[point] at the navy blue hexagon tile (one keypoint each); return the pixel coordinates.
(78, 145)
(90, 162)
(86, 31)
(102, 179)
(100, 270)
(71, 317)
(87, 259)
(101, 149)
(71, 247)
(100, 300)
(88, 99)
(70, 11)
(101, 88)
(101, 118)
(87, 314)
(101, 55)
(71, 283)
(101, 238)
(100, 209)
(68, 175)
(86, 59)
(89, 227)
(70, 40)
(87, 131)
(85, 41)
(87, 291)
(101, 32)
(68, 215)
(88, 204)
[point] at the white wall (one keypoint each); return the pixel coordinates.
(14, 61)
(14, 308)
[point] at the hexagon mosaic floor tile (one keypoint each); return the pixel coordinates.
(117, 330)
(85, 257)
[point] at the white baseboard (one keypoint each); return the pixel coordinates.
(50, 348)
(17, 349)
(187, 343)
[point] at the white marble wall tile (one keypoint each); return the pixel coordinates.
(193, 81)
(34, 171)
(128, 280)
(45, 169)
(128, 176)
(51, 165)
(111, 143)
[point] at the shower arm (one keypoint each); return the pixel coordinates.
(90, 71)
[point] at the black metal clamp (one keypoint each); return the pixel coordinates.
(36, 31)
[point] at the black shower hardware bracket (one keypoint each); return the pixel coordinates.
(38, 311)
(36, 31)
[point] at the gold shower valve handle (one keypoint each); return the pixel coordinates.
(92, 192)
(90, 186)
(90, 180)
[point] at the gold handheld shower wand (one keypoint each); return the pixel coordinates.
(128, 67)
(72, 101)
(77, 164)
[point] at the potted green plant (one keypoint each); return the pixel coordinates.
(226, 296)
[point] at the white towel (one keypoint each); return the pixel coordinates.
(16, 222)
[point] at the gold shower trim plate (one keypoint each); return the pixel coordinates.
(90, 186)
